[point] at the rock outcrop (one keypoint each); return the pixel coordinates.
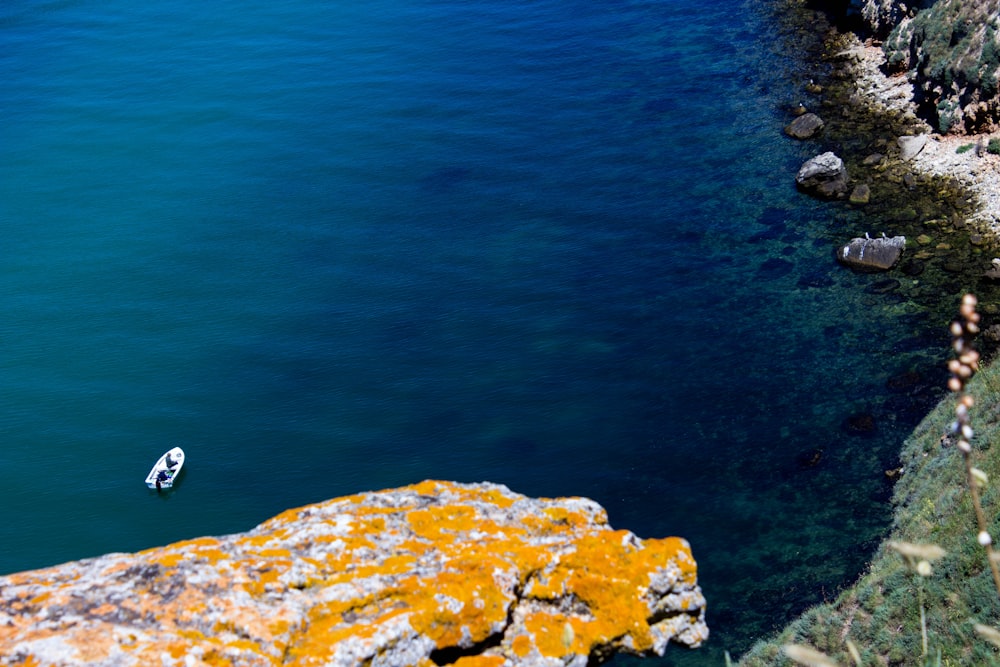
(823, 176)
(950, 49)
(868, 254)
(437, 573)
(881, 16)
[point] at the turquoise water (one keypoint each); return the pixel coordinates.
(334, 247)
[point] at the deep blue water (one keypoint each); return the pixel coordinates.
(332, 247)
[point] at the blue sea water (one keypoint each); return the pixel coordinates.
(335, 247)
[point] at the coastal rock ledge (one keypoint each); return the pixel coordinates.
(437, 573)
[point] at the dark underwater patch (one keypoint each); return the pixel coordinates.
(774, 268)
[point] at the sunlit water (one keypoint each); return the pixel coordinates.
(333, 247)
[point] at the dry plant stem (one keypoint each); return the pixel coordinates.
(962, 368)
(981, 518)
(923, 626)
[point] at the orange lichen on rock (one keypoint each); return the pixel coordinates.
(471, 575)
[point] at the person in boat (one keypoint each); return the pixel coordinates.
(170, 462)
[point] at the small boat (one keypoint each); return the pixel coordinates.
(165, 471)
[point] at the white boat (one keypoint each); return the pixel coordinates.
(165, 471)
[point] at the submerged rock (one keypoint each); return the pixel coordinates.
(823, 176)
(873, 160)
(868, 254)
(434, 573)
(774, 267)
(861, 424)
(861, 194)
(805, 126)
(883, 286)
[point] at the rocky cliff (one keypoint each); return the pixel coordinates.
(437, 573)
(950, 50)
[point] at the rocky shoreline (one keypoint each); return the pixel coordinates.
(899, 177)
(942, 190)
(963, 158)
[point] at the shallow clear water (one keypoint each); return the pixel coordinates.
(329, 249)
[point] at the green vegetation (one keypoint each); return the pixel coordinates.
(994, 146)
(965, 148)
(952, 48)
(924, 607)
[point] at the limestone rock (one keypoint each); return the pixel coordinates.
(805, 126)
(868, 254)
(823, 176)
(434, 573)
(909, 146)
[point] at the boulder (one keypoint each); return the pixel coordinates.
(909, 146)
(430, 574)
(868, 254)
(805, 126)
(823, 176)
(861, 194)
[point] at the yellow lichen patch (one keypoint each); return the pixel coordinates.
(492, 496)
(375, 524)
(562, 517)
(548, 631)
(541, 525)
(192, 635)
(397, 564)
(286, 517)
(416, 547)
(521, 646)
(256, 541)
(677, 551)
(278, 627)
(167, 558)
(608, 576)
(198, 542)
(432, 487)
(479, 661)
(325, 630)
(266, 576)
(41, 597)
(318, 565)
(177, 649)
(431, 523)
(211, 555)
(461, 602)
(244, 645)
